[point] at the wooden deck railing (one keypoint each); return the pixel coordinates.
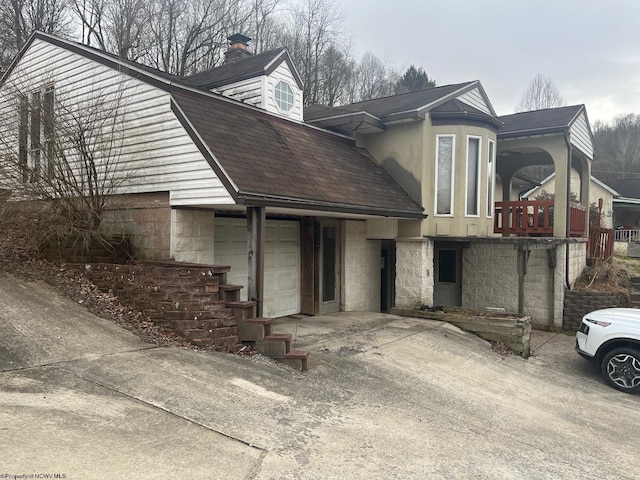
(534, 218)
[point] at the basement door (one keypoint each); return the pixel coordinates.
(281, 261)
(448, 276)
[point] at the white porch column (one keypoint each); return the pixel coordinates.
(414, 272)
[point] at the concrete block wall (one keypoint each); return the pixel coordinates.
(414, 272)
(361, 268)
(490, 279)
(192, 236)
(145, 220)
(578, 304)
(542, 303)
(490, 276)
(577, 259)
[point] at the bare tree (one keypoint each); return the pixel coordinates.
(90, 14)
(336, 70)
(372, 79)
(188, 36)
(262, 24)
(540, 94)
(311, 28)
(618, 147)
(19, 18)
(61, 162)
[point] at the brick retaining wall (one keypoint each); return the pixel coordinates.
(579, 303)
(182, 297)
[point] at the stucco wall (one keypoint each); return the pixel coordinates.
(192, 236)
(400, 150)
(414, 273)
(361, 268)
(458, 224)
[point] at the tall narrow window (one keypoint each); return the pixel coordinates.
(473, 176)
(34, 154)
(491, 175)
(23, 137)
(48, 130)
(444, 174)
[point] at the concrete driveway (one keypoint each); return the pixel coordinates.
(386, 397)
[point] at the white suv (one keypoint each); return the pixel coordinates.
(611, 337)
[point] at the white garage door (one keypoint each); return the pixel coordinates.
(281, 262)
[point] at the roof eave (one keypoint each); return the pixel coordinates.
(467, 115)
(531, 132)
(348, 118)
(261, 199)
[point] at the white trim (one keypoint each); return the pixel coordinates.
(453, 174)
(491, 175)
(478, 177)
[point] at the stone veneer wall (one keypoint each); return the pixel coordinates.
(361, 268)
(414, 272)
(192, 236)
(145, 220)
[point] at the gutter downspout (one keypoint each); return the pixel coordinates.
(567, 139)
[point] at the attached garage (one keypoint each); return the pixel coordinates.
(281, 261)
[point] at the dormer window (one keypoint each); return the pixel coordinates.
(283, 95)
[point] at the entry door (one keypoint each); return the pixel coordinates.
(387, 275)
(448, 268)
(329, 267)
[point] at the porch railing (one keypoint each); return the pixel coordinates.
(535, 218)
(627, 236)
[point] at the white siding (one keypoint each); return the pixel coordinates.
(247, 91)
(283, 73)
(580, 136)
(475, 99)
(156, 155)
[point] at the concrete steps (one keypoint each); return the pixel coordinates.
(258, 331)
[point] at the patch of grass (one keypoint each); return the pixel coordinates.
(631, 264)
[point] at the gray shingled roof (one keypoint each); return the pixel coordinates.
(275, 160)
(538, 122)
(380, 107)
(225, 74)
(626, 187)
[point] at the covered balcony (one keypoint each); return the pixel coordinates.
(559, 139)
(535, 218)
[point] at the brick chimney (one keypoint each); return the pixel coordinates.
(238, 50)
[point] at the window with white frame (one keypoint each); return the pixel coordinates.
(283, 95)
(473, 176)
(36, 133)
(491, 178)
(445, 155)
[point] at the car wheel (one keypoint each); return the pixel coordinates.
(621, 369)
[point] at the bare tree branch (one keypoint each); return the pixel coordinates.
(540, 94)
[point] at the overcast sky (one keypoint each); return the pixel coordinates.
(589, 48)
